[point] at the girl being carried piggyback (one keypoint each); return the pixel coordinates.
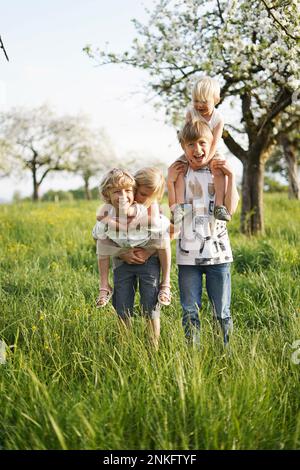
(131, 219)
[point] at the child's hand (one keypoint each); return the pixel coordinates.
(136, 256)
(103, 213)
(222, 165)
(175, 170)
(144, 254)
(103, 217)
(112, 222)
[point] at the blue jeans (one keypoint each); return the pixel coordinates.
(126, 277)
(218, 286)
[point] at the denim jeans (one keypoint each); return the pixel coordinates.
(218, 286)
(126, 277)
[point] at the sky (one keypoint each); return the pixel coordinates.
(44, 42)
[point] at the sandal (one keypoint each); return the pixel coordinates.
(164, 295)
(221, 213)
(104, 297)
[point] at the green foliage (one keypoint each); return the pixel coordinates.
(75, 380)
(273, 186)
(251, 50)
(256, 257)
(70, 195)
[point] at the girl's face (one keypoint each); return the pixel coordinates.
(205, 108)
(143, 195)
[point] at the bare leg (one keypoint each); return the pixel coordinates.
(165, 262)
(219, 183)
(103, 265)
(220, 211)
(104, 287)
(179, 189)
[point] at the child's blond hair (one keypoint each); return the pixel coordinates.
(206, 88)
(153, 179)
(193, 131)
(115, 179)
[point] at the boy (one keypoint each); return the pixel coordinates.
(203, 246)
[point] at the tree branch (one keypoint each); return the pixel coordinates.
(234, 147)
(235, 129)
(2, 47)
(270, 13)
(283, 99)
(248, 117)
(44, 175)
(220, 12)
(294, 125)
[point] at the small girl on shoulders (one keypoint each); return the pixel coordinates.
(205, 96)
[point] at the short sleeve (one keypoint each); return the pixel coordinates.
(99, 230)
(216, 119)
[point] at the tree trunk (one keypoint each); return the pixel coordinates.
(252, 219)
(87, 191)
(36, 186)
(291, 160)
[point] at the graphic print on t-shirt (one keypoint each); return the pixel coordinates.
(204, 240)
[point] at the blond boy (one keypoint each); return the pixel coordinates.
(203, 246)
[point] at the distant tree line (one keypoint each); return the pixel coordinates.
(38, 142)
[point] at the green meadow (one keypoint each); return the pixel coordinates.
(74, 380)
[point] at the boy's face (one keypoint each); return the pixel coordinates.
(205, 108)
(121, 198)
(143, 194)
(197, 153)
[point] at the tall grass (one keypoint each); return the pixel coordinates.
(74, 380)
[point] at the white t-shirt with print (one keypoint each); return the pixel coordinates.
(203, 239)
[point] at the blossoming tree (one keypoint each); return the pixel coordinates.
(38, 141)
(93, 153)
(251, 46)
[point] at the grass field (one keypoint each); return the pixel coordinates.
(73, 381)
